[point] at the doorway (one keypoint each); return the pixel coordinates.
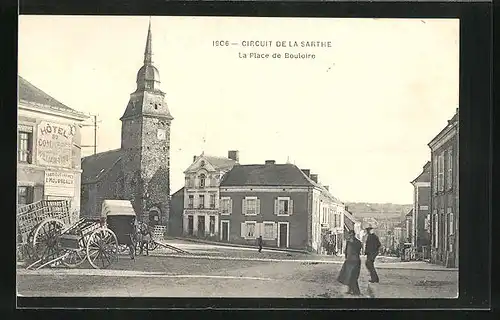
(190, 225)
(201, 226)
(283, 236)
(225, 231)
(154, 217)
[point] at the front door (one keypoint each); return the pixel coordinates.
(190, 225)
(154, 217)
(283, 235)
(225, 231)
(201, 226)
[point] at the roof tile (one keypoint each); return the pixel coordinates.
(95, 166)
(265, 175)
(29, 92)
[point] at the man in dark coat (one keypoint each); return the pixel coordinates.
(349, 273)
(259, 243)
(371, 250)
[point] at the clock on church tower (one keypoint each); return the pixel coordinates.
(146, 143)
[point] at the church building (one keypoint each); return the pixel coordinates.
(140, 170)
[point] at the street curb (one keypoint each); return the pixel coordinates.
(380, 266)
(225, 244)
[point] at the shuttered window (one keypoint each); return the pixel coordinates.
(449, 171)
(269, 231)
(250, 206)
(226, 205)
(434, 174)
(441, 172)
(435, 228)
(249, 230)
(283, 206)
(24, 146)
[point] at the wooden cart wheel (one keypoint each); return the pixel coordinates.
(102, 248)
(46, 239)
(152, 245)
(76, 257)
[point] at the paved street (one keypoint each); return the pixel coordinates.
(216, 271)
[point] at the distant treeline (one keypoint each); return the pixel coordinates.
(385, 210)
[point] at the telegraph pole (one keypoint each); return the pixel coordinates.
(93, 124)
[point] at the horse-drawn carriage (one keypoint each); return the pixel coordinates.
(49, 237)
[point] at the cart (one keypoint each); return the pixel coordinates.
(49, 238)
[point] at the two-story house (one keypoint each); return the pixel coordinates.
(332, 216)
(279, 202)
(48, 148)
(444, 195)
(420, 237)
(201, 194)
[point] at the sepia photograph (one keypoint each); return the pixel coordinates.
(237, 157)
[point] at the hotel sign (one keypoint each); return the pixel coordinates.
(59, 184)
(54, 144)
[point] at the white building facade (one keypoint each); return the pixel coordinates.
(201, 212)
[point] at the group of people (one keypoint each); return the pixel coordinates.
(351, 268)
(140, 239)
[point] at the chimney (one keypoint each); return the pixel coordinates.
(234, 155)
(194, 158)
(270, 162)
(307, 172)
(314, 177)
(327, 188)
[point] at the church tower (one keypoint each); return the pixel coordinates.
(145, 143)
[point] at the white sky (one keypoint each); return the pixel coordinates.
(363, 125)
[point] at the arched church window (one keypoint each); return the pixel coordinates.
(202, 180)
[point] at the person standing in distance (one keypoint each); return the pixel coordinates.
(259, 243)
(371, 251)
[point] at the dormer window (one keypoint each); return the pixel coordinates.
(202, 180)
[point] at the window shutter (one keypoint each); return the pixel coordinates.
(244, 206)
(257, 205)
(290, 207)
(276, 208)
(275, 231)
(243, 230)
(230, 209)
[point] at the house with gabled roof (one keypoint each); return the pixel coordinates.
(279, 202)
(444, 205)
(48, 148)
(201, 194)
(420, 236)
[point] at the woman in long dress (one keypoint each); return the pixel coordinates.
(349, 273)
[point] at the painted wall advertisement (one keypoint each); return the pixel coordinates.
(60, 184)
(54, 144)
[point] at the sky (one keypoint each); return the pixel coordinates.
(360, 114)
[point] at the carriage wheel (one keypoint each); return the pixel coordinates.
(46, 239)
(102, 248)
(152, 245)
(76, 257)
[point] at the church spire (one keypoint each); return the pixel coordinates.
(148, 51)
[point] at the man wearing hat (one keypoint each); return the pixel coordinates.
(371, 251)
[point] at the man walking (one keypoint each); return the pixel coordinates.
(259, 243)
(371, 250)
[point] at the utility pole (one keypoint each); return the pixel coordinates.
(94, 124)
